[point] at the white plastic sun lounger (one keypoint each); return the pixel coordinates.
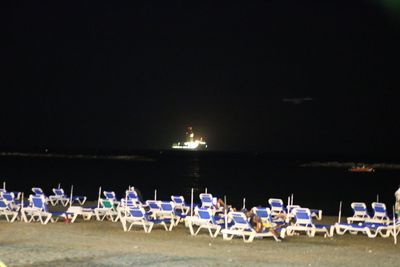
(138, 217)
(38, 211)
(304, 223)
(204, 219)
(360, 213)
(59, 196)
(6, 211)
(242, 228)
(380, 214)
(369, 229)
(106, 210)
(389, 229)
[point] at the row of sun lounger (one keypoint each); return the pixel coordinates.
(131, 212)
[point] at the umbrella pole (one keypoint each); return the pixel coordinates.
(226, 214)
(191, 204)
(70, 197)
(98, 199)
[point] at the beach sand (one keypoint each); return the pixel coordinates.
(92, 243)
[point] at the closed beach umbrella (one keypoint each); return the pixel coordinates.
(98, 199)
(70, 197)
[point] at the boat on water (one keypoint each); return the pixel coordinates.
(362, 168)
(191, 143)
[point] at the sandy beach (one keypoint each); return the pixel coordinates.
(93, 243)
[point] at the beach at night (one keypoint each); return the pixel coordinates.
(92, 243)
(271, 125)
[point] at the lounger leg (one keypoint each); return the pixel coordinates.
(14, 216)
(150, 227)
(171, 225)
(123, 222)
(331, 231)
(250, 239)
(74, 217)
(23, 216)
(191, 228)
(370, 234)
(82, 201)
(198, 229)
(338, 230)
(46, 220)
(289, 231)
(217, 232)
(96, 212)
(165, 226)
(65, 202)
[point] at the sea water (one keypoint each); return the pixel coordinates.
(253, 176)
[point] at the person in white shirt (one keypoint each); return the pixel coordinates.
(397, 206)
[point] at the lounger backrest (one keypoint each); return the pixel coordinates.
(37, 190)
(303, 216)
(240, 220)
(263, 213)
(137, 213)
(109, 195)
(128, 202)
(131, 195)
(3, 204)
(9, 196)
(379, 209)
(106, 203)
(359, 208)
(58, 192)
(167, 206)
(276, 204)
(204, 213)
(178, 200)
(206, 200)
(39, 202)
(153, 204)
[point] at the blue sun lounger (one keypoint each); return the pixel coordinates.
(206, 200)
(59, 196)
(265, 215)
(242, 228)
(304, 223)
(360, 213)
(138, 217)
(389, 229)
(168, 213)
(12, 202)
(369, 229)
(277, 208)
(179, 202)
(7, 211)
(38, 211)
(204, 219)
(133, 196)
(380, 214)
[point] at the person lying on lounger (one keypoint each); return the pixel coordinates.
(220, 205)
(257, 224)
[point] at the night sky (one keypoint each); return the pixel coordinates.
(302, 77)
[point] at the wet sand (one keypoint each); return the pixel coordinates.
(92, 243)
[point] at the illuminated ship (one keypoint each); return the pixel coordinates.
(362, 168)
(191, 143)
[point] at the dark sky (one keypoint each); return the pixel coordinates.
(102, 75)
